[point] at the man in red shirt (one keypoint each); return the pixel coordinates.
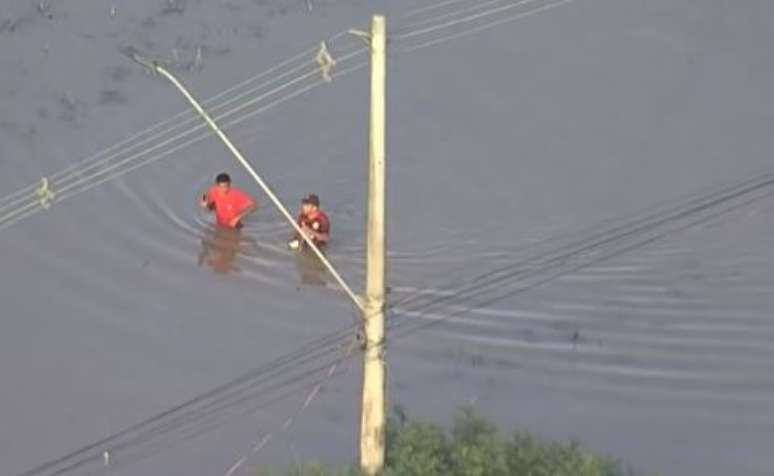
(313, 222)
(230, 205)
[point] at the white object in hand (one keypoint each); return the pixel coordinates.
(294, 244)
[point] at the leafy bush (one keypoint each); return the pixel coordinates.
(472, 447)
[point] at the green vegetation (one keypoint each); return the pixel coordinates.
(472, 447)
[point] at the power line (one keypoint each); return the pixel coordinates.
(487, 26)
(551, 263)
(32, 204)
(488, 287)
(98, 168)
(266, 374)
(425, 9)
(640, 233)
(477, 6)
(125, 165)
(72, 460)
(457, 21)
(307, 401)
(629, 237)
(98, 158)
(193, 425)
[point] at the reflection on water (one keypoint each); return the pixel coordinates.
(311, 270)
(221, 248)
(224, 249)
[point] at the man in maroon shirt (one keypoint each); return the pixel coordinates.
(230, 204)
(313, 222)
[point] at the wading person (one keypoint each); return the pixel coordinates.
(230, 204)
(313, 222)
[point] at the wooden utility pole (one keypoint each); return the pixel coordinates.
(372, 430)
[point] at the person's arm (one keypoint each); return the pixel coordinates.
(245, 204)
(295, 241)
(250, 208)
(318, 231)
(319, 236)
(206, 202)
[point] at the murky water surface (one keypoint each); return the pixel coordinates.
(580, 230)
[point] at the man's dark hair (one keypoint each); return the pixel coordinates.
(223, 178)
(311, 199)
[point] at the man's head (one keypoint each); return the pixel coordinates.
(223, 181)
(309, 203)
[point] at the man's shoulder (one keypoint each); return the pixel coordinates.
(239, 194)
(213, 194)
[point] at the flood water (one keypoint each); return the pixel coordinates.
(580, 230)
